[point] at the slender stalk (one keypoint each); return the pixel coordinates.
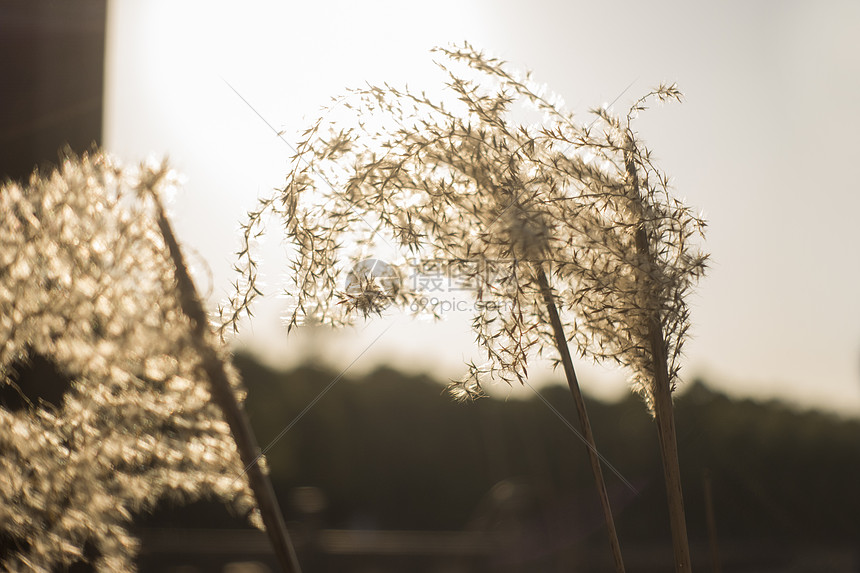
(712, 523)
(664, 415)
(584, 424)
(223, 394)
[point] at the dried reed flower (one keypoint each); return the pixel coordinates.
(638, 258)
(466, 182)
(558, 202)
(86, 282)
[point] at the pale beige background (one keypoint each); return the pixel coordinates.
(766, 145)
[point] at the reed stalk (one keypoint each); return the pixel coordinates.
(661, 392)
(584, 423)
(224, 395)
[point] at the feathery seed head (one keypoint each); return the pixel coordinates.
(465, 181)
(86, 283)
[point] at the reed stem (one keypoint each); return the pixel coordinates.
(223, 395)
(664, 414)
(584, 424)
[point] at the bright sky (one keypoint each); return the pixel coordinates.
(763, 146)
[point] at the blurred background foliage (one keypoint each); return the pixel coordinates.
(396, 450)
(393, 452)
